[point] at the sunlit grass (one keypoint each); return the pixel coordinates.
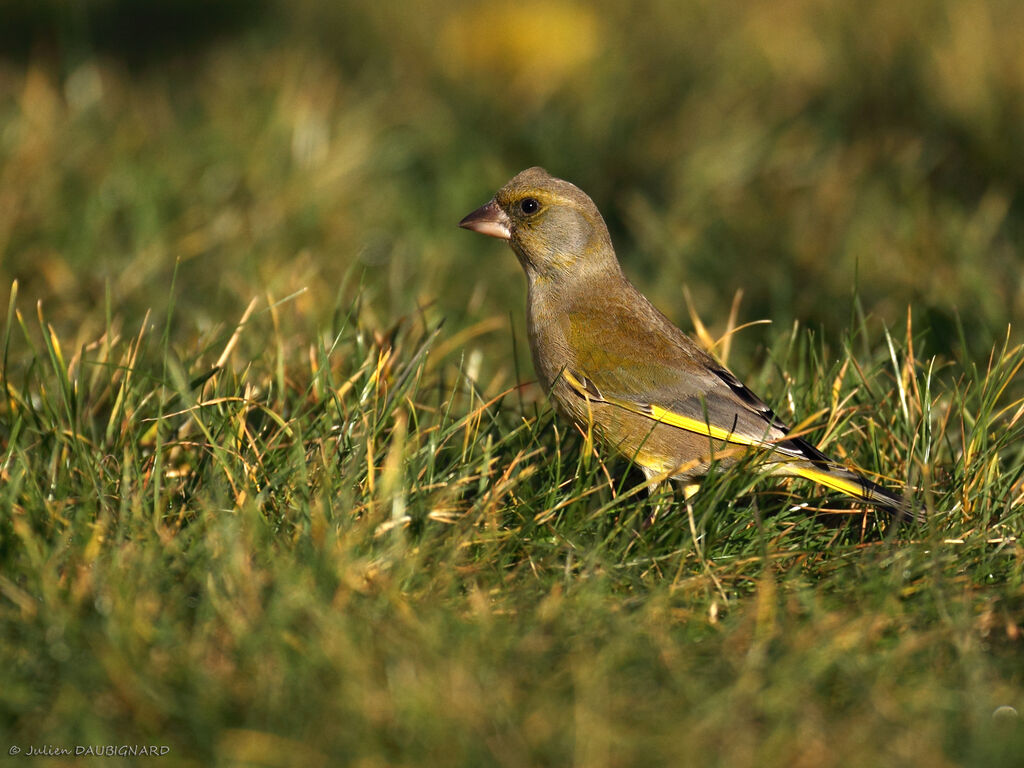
(214, 552)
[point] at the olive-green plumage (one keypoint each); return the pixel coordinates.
(613, 362)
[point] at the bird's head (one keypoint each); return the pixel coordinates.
(553, 227)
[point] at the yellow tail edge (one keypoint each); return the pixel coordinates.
(855, 486)
(841, 484)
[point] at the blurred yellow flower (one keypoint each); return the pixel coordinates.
(531, 47)
(966, 63)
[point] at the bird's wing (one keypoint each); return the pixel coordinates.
(707, 401)
(660, 373)
(649, 367)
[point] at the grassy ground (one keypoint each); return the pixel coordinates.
(276, 489)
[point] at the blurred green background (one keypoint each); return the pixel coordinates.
(797, 151)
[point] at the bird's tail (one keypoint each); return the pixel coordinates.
(819, 468)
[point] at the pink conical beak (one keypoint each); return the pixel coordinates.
(489, 220)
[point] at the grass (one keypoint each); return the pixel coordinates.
(276, 489)
(352, 553)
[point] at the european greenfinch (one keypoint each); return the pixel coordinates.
(617, 366)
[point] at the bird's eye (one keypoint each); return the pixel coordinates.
(529, 205)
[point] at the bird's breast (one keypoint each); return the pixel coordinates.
(547, 331)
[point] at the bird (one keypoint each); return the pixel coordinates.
(621, 370)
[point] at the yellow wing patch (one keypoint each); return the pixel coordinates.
(666, 416)
(662, 415)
